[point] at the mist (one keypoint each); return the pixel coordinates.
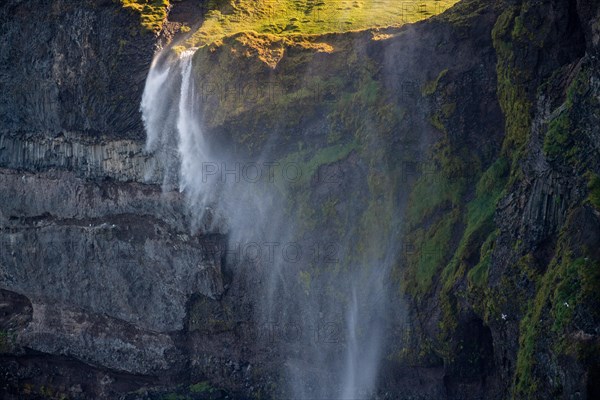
(331, 340)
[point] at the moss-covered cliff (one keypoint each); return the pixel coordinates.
(503, 295)
(504, 226)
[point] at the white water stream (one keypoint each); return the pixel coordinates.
(348, 370)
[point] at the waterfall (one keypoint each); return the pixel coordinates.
(343, 362)
(174, 134)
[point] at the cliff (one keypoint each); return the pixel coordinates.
(517, 275)
(473, 134)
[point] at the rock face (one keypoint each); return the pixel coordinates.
(122, 160)
(511, 275)
(106, 260)
(63, 69)
(486, 116)
(91, 246)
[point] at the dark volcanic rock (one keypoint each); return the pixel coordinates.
(71, 67)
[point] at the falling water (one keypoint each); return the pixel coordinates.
(255, 213)
(174, 133)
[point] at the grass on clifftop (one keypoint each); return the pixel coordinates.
(290, 17)
(153, 13)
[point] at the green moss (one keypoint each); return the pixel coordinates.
(448, 322)
(201, 387)
(359, 117)
(376, 221)
(436, 121)
(525, 383)
(512, 93)
(567, 286)
(493, 179)
(489, 190)
(478, 275)
(153, 13)
(557, 137)
(520, 31)
(431, 193)
(517, 109)
(565, 295)
(479, 225)
(562, 141)
(480, 210)
(308, 162)
(448, 109)
(594, 190)
(431, 247)
(435, 210)
(434, 191)
(431, 86)
(491, 302)
(474, 222)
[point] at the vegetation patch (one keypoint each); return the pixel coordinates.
(512, 94)
(153, 13)
(478, 275)
(477, 240)
(307, 162)
(202, 387)
(558, 135)
(594, 190)
(565, 301)
(449, 234)
(562, 140)
(310, 17)
(480, 210)
(431, 86)
(439, 189)
(431, 249)
(433, 215)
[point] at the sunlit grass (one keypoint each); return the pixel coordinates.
(293, 17)
(153, 13)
